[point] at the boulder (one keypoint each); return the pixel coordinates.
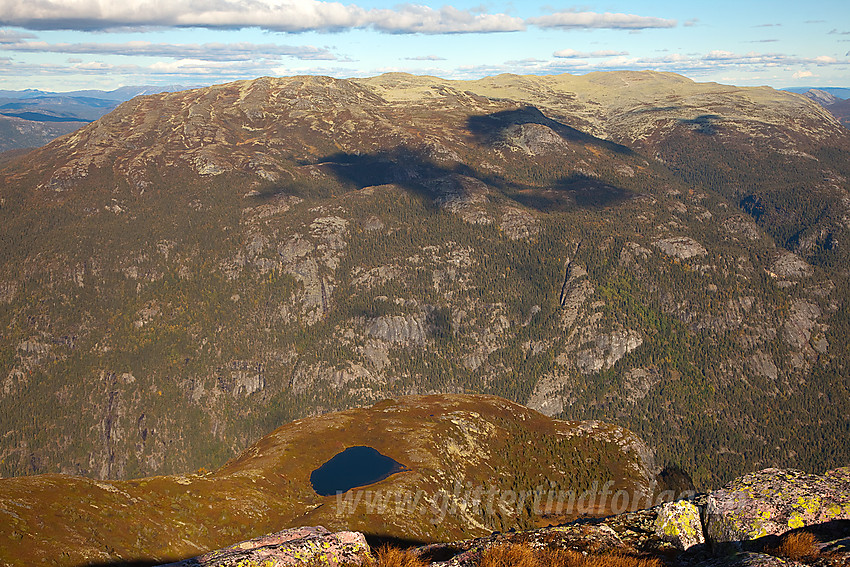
(774, 501)
(679, 523)
(297, 546)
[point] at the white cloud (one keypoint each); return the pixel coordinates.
(206, 51)
(77, 74)
(425, 58)
(572, 20)
(276, 15)
(295, 16)
(803, 74)
(693, 65)
(573, 54)
(9, 36)
(410, 18)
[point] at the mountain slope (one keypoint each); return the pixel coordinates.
(196, 268)
(445, 442)
(18, 133)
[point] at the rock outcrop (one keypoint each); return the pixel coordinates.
(814, 505)
(298, 546)
(749, 559)
(770, 518)
(681, 247)
(772, 502)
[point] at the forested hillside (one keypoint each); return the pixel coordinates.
(197, 268)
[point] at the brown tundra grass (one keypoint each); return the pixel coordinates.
(388, 556)
(515, 555)
(797, 546)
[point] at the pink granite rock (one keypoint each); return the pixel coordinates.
(297, 546)
(774, 501)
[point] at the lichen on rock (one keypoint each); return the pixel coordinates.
(296, 546)
(679, 523)
(774, 501)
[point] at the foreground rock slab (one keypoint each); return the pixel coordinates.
(748, 524)
(773, 502)
(297, 546)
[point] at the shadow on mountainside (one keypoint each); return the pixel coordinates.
(401, 166)
(573, 191)
(416, 172)
(553, 184)
(704, 124)
(490, 129)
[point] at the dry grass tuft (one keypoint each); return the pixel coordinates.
(388, 556)
(514, 555)
(797, 546)
(510, 555)
(615, 560)
(517, 555)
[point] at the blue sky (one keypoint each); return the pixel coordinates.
(63, 45)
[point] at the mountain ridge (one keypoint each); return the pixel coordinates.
(259, 251)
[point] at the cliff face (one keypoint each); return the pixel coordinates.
(196, 268)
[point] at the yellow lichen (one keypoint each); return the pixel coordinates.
(796, 521)
(809, 504)
(757, 530)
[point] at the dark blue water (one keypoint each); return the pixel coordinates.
(356, 466)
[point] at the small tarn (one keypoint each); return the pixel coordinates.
(356, 466)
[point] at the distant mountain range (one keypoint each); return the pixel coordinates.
(838, 107)
(838, 92)
(31, 118)
(118, 95)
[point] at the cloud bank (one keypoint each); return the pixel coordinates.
(204, 52)
(273, 15)
(292, 16)
(573, 54)
(692, 65)
(593, 20)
